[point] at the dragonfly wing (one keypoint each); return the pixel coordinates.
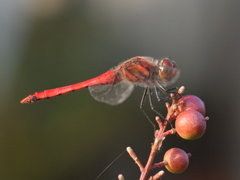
(112, 94)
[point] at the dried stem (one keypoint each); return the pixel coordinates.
(135, 158)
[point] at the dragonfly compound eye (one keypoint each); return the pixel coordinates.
(166, 69)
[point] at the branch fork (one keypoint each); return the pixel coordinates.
(160, 135)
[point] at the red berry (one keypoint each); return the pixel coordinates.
(191, 102)
(177, 160)
(190, 124)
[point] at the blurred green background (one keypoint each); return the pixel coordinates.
(46, 44)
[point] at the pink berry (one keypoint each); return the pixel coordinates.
(176, 160)
(190, 124)
(191, 102)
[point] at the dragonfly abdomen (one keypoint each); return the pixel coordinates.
(46, 94)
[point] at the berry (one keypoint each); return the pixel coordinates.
(190, 124)
(176, 160)
(191, 102)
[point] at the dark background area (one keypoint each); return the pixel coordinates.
(48, 44)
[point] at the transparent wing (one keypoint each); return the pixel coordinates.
(112, 94)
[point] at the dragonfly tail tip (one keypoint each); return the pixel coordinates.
(25, 100)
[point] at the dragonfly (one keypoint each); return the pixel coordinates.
(116, 85)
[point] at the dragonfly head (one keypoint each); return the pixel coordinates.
(168, 72)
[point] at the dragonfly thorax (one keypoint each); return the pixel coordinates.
(140, 71)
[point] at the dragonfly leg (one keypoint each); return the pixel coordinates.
(175, 92)
(172, 90)
(152, 107)
(141, 107)
(158, 95)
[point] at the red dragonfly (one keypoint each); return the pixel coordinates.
(116, 85)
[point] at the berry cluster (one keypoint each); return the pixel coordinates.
(188, 113)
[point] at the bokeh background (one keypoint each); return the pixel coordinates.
(46, 44)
